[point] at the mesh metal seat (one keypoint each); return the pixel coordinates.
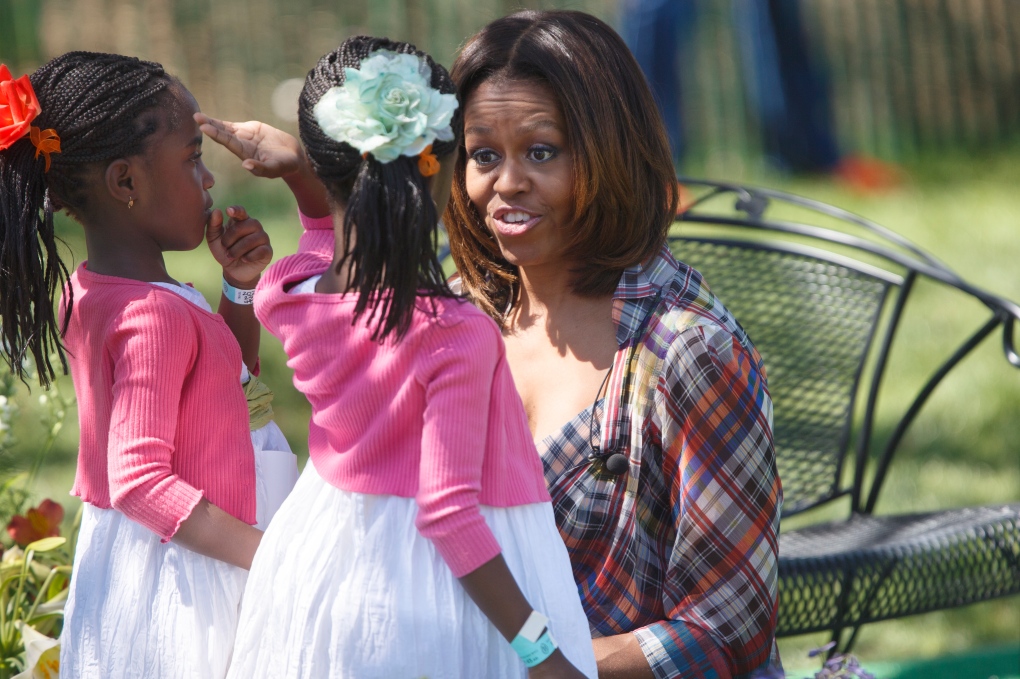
(823, 306)
(872, 568)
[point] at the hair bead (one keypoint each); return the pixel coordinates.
(428, 164)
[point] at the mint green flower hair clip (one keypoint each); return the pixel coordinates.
(387, 108)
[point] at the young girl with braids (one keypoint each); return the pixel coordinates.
(420, 539)
(166, 468)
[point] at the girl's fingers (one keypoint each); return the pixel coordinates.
(214, 229)
(262, 253)
(243, 234)
(223, 138)
(245, 242)
(224, 126)
(223, 132)
(247, 247)
(205, 119)
(237, 213)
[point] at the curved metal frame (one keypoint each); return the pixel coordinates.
(894, 249)
(901, 255)
(757, 200)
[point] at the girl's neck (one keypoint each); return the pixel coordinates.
(334, 280)
(112, 255)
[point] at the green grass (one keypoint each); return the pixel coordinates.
(963, 450)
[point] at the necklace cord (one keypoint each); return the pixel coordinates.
(619, 466)
(591, 417)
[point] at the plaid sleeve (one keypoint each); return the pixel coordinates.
(720, 593)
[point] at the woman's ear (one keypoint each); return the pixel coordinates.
(119, 180)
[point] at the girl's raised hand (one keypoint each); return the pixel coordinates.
(241, 246)
(264, 150)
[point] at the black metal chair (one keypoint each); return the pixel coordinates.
(823, 306)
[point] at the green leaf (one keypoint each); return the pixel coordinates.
(57, 587)
(8, 579)
(46, 544)
(52, 607)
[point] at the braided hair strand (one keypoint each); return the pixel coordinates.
(103, 106)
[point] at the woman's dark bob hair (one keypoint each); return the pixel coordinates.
(624, 184)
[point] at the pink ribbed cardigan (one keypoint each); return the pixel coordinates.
(434, 417)
(163, 417)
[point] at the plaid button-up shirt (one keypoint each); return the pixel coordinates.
(682, 549)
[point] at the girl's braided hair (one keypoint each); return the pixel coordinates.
(388, 207)
(103, 106)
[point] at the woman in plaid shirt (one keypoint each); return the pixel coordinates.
(648, 401)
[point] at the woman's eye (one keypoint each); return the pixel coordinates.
(484, 157)
(542, 153)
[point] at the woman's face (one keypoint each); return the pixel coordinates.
(519, 169)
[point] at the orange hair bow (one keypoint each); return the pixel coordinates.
(18, 108)
(428, 164)
(46, 142)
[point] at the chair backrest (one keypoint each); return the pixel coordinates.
(821, 297)
(814, 321)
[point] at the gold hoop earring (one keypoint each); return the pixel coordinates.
(131, 202)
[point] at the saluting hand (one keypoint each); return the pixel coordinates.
(271, 153)
(264, 150)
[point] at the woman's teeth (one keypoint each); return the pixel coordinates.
(515, 217)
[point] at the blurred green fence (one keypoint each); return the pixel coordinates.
(922, 74)
(233, 53)
(908, 76)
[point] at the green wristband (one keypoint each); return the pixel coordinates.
(534, 643)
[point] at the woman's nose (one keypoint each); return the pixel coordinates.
(512, 179)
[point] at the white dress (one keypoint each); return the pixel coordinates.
(344, 586)
(141, 608)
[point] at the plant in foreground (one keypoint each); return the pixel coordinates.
(42, 655)
(33, 590)
(839, 666)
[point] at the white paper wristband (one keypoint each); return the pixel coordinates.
(236, 295)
